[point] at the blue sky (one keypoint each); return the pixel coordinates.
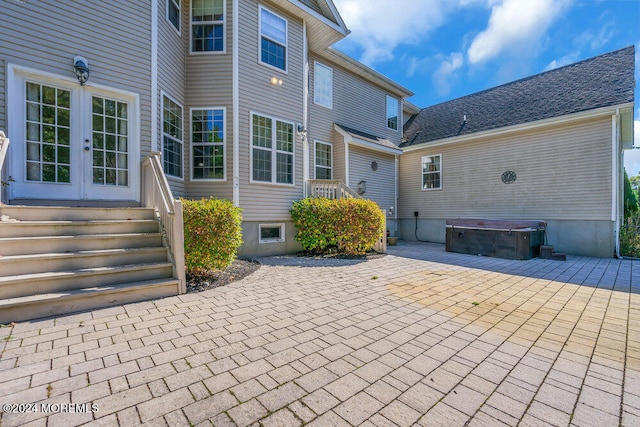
(444, 49)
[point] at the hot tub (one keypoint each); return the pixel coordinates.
(495, 238)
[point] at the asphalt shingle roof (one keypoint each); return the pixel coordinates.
(597, 82)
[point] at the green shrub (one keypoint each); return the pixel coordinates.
(212, 234)
(630, 236)
(349, 226)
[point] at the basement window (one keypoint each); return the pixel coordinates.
(271, 233)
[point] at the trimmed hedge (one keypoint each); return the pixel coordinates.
(349, 226)
(212, 234)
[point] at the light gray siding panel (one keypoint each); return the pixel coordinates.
(381, 182)
(357, 103)
(209, 84)
(550, 184)
(171, 77)
(261, 201)
(114, 36)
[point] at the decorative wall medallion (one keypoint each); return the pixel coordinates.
(509, 177)
(374, 165)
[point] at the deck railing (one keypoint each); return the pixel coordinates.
(4, 146)
(331, 189)
(157, 194)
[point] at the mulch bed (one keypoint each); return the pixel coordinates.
(239, 269)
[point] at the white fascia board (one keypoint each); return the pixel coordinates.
(350, 139)
(340, 27)
(569, 118)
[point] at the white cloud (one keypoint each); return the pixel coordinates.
(379, 26)
(565, 60)
(515, 25)
(446, 72)
(632, 157)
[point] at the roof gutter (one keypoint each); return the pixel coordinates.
(598, 112)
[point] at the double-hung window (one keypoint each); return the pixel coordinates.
(432, 172)
(173, 13)
(273, 39)
(272, 150)
(172, 137)
(392, 113)
(323, 85)
(207, 142)
(207, 25)
(324, 159)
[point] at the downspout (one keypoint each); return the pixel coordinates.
(617, 200)
(305, 109)
(235, 83)
(154, 76)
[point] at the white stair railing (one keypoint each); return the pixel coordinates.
(330, 189)
(4, 147)
(156, 194)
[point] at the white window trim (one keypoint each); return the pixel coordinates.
(162, 95)
(315, 158)
(224, 32)
(166, 15)
(224, 144)
(286, 46)
(315, 82)
(422, 173)
(273, 150)
(280, 240)
(386, 113)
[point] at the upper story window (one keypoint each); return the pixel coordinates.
(207, 25)
(207, 143)
(432, 172)
(173, 13)
(172, 137)
(323, 85)
(272, 149)
(392, 113)
(273, 39)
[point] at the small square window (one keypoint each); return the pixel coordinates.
(271, 233)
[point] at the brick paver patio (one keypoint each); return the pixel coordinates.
(419, 337)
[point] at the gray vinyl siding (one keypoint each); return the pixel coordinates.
(380, 183)
(116, 41)
(550, 184)
(357, 103)
(209, 84)
(3, 96)
(268, 202)
(171, 78)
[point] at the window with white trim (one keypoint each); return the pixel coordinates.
(173, 13)
(271, 233)
(432, 172)
(323, 85)
(207, 25)
(324, 160)
(172, 141)
(207, 143)
(272, 150)
(392, 113)
(273, 39)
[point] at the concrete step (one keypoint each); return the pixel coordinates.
(64, 213)
(23, 285)
(55, 244)
(53, 262)
(69, 301)
(67, 228)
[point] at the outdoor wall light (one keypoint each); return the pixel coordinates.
(302, 131)
(81, 68)
(276, 81)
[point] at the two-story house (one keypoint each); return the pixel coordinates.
(128, 104)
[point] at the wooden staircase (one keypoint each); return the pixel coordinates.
(58, 260)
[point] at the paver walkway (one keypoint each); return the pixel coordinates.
(419, 337)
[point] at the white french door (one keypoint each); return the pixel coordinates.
(72, 143)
